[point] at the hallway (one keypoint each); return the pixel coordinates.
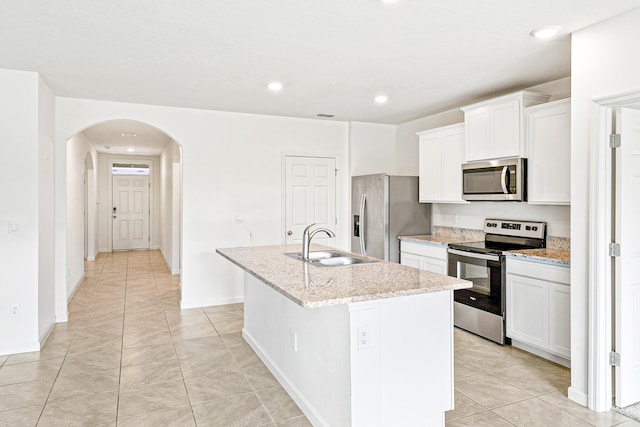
(129, 355)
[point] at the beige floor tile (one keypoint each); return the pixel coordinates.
(78, 385)
(536, 377)
(259, 377)
(82, 411)
(179, 417)
(244, 356)
(224, 383)
(87, 344)
(50, 351)
(187, 332)
(464, 407)
(147, 354)
(491, 357)
(23, 417)
(152, 398)
(198, 345)
(23, 394)
(193, 316)
(157, 371)
(146, 336)
(537, 412)
(600, 419)
(197, 364)
(242, 410)
(31, 371)
(278, 403)
(233, 340)
(489, 391)
(485, 419)
(462, 370)
(91, 361)
(228, 327)
(294, 422)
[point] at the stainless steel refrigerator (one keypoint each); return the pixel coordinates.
(384, 207)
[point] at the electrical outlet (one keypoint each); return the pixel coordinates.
(14, 310)
(364, 337)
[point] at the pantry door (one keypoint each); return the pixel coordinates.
(627, 276)
(310, 197)
(130, 212)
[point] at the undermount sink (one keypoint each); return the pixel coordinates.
(330, 258)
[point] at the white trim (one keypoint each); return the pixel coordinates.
(45, 336)
(542, 353)
(600, 292)
(91, 258)
(75, 288)
(208, 303)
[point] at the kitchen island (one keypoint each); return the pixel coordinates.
(359, 345)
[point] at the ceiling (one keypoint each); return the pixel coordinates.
(332, 56)
(127, 137)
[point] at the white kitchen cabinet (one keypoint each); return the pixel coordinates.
(538, 308)
(424, 257)
(495, 128)
(549, 142)
(441, 154)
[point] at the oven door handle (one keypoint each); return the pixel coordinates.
(475, 255)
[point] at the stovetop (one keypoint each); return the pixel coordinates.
(506, 235)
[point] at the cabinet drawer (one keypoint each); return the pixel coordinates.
(551, 273)
(438, 252)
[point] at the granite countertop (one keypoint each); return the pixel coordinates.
(311, 286)
(436, 240)
(551, 256)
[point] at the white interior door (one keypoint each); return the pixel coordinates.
(310, 196)
(627, 273)
(130, 212)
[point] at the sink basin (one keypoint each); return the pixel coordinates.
(330, 258)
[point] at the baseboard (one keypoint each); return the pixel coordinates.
(577, 396)
(307, 408)
(21, 348)
(46, 334)
(91, 258)
(75, 288)
(207, 303)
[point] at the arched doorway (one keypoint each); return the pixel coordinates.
(91, 155)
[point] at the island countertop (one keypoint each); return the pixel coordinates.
(311, 286)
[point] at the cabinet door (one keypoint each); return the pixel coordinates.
(452, 159)
(434, 265)
(430, 179)
(527, 310)
(549, 140)
(560, 319)
(477, 137)
(505, 129)
(411, 260)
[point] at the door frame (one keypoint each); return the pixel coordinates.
(600, 292)
(283, 204)
(143, 160)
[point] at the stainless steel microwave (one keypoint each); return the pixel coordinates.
(501, 179)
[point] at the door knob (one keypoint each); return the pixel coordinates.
(289, 233)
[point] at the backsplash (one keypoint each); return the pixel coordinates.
(553, 242)
(464, 233)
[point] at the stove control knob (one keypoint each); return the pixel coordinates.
(528, 227)
(534, 228)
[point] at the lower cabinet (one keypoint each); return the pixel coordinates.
(538, 314)
(425, 257)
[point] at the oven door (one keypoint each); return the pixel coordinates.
(486, 273)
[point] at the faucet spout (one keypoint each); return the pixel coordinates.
(307, 235)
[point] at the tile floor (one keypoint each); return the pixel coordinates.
(130, 357)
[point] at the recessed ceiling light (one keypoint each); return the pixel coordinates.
(131, 149)
(545, 33)
(126, 134)
(275, 86)
(107, 147)
(381, 99)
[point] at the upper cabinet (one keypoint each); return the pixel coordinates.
(549, 141)
(494, 128)
(441, 156)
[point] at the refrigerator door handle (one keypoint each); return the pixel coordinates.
(363, 201)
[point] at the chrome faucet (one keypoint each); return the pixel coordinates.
(307, 235)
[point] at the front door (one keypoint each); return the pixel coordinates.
(310, 196)
(130, 212)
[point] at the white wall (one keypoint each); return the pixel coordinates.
(231, 163)
(77, 149)
(372, 148)
(19, 195)
(170, 190)
(604, 62)
(104, 177)
(46, 284)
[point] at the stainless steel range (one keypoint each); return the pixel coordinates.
(481, 309)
